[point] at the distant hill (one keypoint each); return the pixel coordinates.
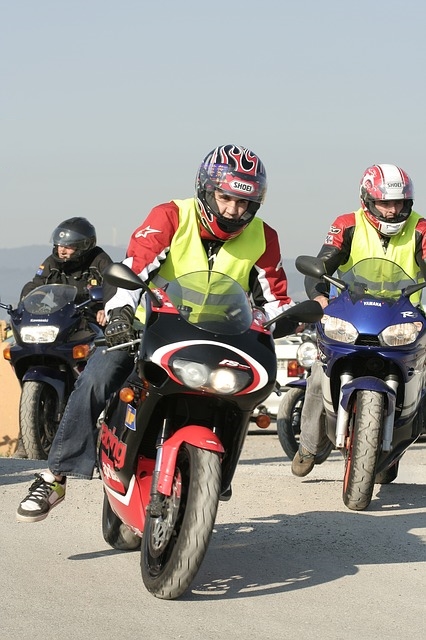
(18, 266)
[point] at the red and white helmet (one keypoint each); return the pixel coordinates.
(238, 172)
(386, 182)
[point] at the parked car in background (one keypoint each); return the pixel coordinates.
(288, 369)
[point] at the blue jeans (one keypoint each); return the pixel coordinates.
(73, 450)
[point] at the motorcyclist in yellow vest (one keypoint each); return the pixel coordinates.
(215, 230)
(236, 257)
(384, 226)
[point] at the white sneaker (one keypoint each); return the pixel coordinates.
(44, 494)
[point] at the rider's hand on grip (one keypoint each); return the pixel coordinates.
(120, 326)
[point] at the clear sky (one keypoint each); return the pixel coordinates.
(108, 106)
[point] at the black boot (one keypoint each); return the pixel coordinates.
(20, 450)
(226, 495)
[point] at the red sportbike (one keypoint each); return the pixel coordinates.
(172, 436)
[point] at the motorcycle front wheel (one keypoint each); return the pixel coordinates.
(362, 450)
(115, 532)
(288, 424)
(175, 542)
(38, 418)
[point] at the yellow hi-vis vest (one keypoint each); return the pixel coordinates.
(236, 257)
(401, 248)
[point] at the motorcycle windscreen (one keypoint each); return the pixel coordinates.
(376, 277)
(49, 298)
(211, 301)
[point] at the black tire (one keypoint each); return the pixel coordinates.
(38, 418)
(115, 532)
(388, 475)
(288, 420)
(288, 424)
(363, 449)
(175, 543)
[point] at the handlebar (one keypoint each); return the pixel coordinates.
(101, 342)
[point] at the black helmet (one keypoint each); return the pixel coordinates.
(77, 233)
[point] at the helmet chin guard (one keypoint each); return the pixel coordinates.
(385, 227)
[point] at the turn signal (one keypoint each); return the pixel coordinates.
(127, 395)
(6, 353)
(263, 421)
(80, 351)
(294, 370)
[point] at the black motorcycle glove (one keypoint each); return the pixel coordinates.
(120, 326)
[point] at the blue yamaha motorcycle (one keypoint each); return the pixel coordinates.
(372, 345)
(53, 338)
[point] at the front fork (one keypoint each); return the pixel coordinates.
(167, 450)
(155, 504)
(348, 386)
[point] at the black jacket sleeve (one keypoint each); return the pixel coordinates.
(332, 257)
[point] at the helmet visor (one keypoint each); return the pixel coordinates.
(68, 238)
(239, 185)
(372, 206)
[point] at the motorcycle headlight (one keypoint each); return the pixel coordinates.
(198, 376)
(399, 334)
(192, 374)
(228, 380)
(307, 354)
(339, 330)
(38, 334)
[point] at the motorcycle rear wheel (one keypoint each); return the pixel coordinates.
(288, 424)
(115, 532)
(363, 450)
(38, 418)
(175, 543)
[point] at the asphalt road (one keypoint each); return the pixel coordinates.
(287, 560)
